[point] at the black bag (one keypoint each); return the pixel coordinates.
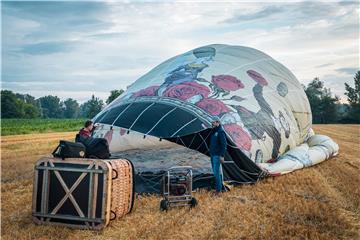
(67, 149)
(95, 147)
(98, 148)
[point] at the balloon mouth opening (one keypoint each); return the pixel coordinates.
(179, 122)
(163, 118)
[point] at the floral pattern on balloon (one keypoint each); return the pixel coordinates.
(224, 84)
(257, 77)
(108, 135)
(241, 138)
(213, 106)
(227, 82)
(122, 131)
(186, 90)
(149, 91)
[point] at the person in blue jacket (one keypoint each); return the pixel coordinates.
(217, 151)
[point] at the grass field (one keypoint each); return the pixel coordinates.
(26, 126)
(321, 202)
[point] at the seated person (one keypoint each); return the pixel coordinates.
(95, 147)
(87, 129)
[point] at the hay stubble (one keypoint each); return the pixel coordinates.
(321, 202)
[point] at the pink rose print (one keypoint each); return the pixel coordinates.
(186, 90)
(108, 135)
(227, 82)
(122, 131)
(257, 77)
(149, 91)
(213, 106)
(241, 138)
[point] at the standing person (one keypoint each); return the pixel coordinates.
(217, 151)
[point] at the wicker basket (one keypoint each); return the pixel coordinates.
(122, 192)
(82, 193)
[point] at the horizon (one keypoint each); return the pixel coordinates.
(76, 49)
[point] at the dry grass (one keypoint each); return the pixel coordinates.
(321, 202)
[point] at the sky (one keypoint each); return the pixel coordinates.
(76, 49)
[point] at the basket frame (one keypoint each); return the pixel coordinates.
(92, 168)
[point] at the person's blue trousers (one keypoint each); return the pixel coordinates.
(215, 164)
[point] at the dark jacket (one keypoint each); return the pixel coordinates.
(218, 142)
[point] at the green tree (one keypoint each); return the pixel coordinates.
(11, 106)
(92, 107)
(353, 96)
(30, 111)
(113, 95)
(51, 107)
(14, 105)
(26, 98)
(71, 108)
(322, 103)
(30, 105)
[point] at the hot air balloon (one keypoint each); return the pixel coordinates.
(262, 106)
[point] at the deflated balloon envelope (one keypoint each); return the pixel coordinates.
(247, 89)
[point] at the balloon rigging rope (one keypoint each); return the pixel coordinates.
(192, 140)
(184, 126)
(182, 142)
(121, 113)
(160, 120)
(150, 181)
(204, 141)
(140, 115)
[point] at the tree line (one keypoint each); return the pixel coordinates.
(16, 105)
(325, 107)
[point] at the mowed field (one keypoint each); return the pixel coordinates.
(320, 202)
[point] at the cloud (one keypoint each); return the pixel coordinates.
(348, 70)
(48, 48)
(263, 13)
(347, 3)
(324, 65)
(109, 35)
(52, 11)
(336, 84)
(99, 46)
(56, 20)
